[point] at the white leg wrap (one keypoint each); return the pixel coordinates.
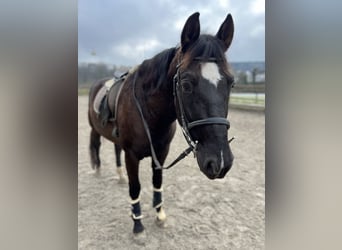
(159, 205)
(136, 200)
(158, 189)
(137, 217)
(136, 209)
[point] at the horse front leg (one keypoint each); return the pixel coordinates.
(158, 196)
(132, 166)
(157, 180)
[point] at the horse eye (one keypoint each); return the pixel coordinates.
(187, 87)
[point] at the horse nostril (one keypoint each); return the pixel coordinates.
(213, 167)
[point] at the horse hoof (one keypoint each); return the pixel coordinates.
(138, 227)
(161, 218)
(95, 167)
(138, 231)
(161, 223)
(97, 172)
(122, 180)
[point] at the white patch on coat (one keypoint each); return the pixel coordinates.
(161, 215)
(210, 71)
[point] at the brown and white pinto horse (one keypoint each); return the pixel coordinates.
(191, 83)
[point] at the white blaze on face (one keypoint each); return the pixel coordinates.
(210, 71)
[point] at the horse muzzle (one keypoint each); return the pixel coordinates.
(214, 164)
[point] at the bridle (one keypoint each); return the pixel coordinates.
(184, 122)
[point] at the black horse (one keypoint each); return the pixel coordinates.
(190, 83)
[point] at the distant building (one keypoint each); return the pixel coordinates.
(245, 72)
(260, 77)
(249, 76)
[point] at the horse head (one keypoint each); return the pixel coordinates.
(202, 87)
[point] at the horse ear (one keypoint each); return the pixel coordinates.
(190, 31)
(226, 31)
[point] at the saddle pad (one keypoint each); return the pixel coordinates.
(109, 83)
(103, 92)
(99, 97)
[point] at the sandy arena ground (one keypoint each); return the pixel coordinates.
(201, 213)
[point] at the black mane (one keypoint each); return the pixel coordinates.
(154, 72)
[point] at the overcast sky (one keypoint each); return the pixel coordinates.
(125, 32)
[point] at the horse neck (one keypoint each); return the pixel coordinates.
(158, 91)
(161, 103)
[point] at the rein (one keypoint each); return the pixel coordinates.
(147, 130)
(185, 125)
